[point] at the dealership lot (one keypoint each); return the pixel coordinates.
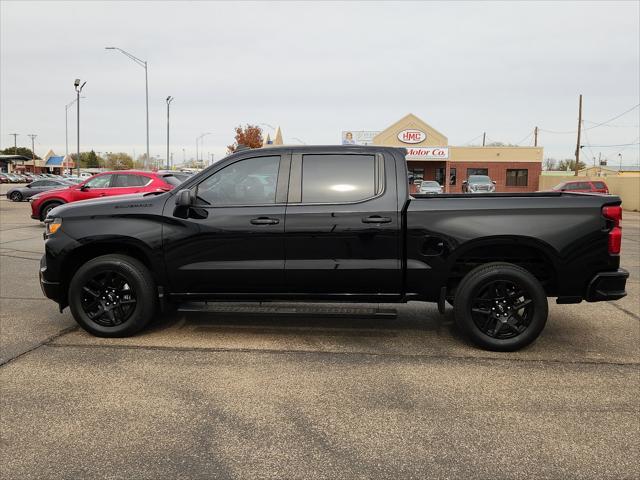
(260, 392)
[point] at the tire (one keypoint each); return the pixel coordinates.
(114, 283)
(47, 208)
(15, 197)
(500, 307)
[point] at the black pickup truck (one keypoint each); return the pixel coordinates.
(332, 224)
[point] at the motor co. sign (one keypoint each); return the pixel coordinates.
(412, 136)
(427, 153)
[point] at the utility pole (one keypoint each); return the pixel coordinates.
(169, 100)
(579, 130)
(15, 142)
(484, 137)
(535, 137)
(211, 159)
(33, 149)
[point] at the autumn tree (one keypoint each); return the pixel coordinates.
(249, 136)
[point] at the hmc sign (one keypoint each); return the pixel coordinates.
(412, 135)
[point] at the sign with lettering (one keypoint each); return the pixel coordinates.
(412, 135)
(427, 153)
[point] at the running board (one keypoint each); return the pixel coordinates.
(288, 310)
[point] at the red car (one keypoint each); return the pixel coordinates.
(120, 182)
(583, 186)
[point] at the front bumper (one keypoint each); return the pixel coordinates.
(52, 290)
(607, 286)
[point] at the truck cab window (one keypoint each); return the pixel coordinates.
(337, 178)
(251, 181)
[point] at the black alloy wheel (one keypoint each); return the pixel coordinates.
(108, 299)
(113, 296)
(502, 309)
(15, 197)
(500, 306)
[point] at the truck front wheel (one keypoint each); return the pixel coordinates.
(112, 296)
(500, 306)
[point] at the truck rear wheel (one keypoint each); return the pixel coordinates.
(112, 296)
(500, 306)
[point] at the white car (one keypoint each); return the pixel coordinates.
(430, 187)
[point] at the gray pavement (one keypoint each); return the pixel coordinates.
(230, 395)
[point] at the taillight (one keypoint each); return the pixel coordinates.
(615, 234)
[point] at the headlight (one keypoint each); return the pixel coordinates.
(52, 225)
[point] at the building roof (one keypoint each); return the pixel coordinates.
(55, 161)
(14, 157)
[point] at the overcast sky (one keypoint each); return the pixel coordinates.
(316, 69)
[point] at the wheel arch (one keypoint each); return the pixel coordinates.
(532, 254)
(111, 246)
(48, 201)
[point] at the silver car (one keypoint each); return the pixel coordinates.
(478, 184)
(430, 187)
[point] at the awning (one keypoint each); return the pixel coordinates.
(54, 161)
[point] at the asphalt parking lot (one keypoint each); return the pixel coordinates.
(257, 393)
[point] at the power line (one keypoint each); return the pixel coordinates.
(607, 146)
(613, 118)
(524, 139)
(599, 124)
(474, 138)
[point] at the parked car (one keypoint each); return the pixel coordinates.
(583, 186)
(106, 184)
(18, 194)
(478, 184)
(340, 225)
(4, 178)
(13, 178)
(430, 187)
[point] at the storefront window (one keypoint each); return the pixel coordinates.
(477, 171)
(440, 175)
(416, 174)
(517, 178)
(452, 176)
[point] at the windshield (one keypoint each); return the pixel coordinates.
(559, 186)
(479, 179)
(431, 184)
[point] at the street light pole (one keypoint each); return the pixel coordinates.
(143, 64)
(78, 90)
(66, 125)
(169, 100)
(201, 145)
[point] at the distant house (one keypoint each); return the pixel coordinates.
(610, 170)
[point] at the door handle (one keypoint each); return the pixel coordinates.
(376, 219)
(264, 221)
(103, 195)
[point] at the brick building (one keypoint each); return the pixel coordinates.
(430, 157)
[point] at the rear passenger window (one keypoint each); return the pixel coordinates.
(129, 180)
(338, 178)
(599, 185)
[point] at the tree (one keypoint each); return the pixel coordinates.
(24, 151)
(90, 161)
(500, 144)
(119, 161)
(570, 164)
(249, 136)
(549, 163)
